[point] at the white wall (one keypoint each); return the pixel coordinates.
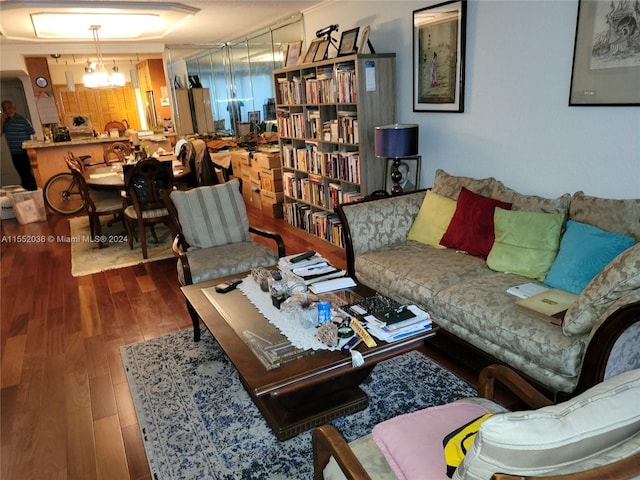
(517, 125)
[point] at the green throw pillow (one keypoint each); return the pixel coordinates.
(432, 219)
(526, 243)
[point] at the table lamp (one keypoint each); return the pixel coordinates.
(396, 141)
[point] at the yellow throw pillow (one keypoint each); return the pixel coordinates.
(432, 219)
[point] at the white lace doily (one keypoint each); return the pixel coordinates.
(299, 336)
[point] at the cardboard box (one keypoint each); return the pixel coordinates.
(255, 195)
(272, 204)
(267, 160)
(238, 159)
(271, 180)
(272, 197)
(246, 188)
(254, 174)
(273, 210)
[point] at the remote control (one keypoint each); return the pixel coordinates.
(229, 285)
(303, 256)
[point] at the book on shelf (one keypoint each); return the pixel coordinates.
(550, 305)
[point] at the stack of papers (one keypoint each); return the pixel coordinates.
(318, 272)
(285, 264)
(332, 285)
(527, 290)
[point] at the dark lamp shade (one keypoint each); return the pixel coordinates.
(397, 140)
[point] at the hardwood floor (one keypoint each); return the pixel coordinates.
(66, 410)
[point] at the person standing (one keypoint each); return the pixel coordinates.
(17, 129)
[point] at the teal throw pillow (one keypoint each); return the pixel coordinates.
(584, 251)
(526, 243)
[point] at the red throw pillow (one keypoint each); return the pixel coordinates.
(471, 228)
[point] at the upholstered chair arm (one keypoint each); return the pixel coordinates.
(179, 248)
(514, 382)
(328, 442)
(276, 237)
(624, 469)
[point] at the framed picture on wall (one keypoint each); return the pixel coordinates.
(606, 55)
(439, 38)
(348, 42)
(293, 53)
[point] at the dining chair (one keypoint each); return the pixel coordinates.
(98, 203)
(144, 183)
(116, 153)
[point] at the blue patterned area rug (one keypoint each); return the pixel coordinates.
(198, 422)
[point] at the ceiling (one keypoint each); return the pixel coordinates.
(216, 21)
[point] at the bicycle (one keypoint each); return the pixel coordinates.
(62, 193)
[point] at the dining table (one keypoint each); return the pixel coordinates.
(112, 177)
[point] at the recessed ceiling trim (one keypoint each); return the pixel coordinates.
(71, 20)
(67, 26)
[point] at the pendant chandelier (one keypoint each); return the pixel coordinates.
(97, 76)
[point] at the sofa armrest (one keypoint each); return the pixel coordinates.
(377, 222)
(601, 343)
(513, 381)
(276, 237)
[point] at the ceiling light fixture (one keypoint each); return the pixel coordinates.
(98, 77)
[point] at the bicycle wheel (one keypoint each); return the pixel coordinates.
(62, 194)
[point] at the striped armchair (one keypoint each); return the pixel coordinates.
(213, 236)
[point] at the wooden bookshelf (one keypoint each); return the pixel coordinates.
(326, 114)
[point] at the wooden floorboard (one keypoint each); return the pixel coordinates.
(66, 409)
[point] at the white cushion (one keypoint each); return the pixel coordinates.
(552, 438)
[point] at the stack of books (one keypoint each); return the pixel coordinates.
(403, 322)
(387, 319)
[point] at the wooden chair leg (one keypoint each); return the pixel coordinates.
(143, 239)
(153, 232)
(195, 319)
(97, 226)
(128, 225)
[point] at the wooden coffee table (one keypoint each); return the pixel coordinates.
(300, 394)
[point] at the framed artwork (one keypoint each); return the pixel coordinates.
(606, 55)
(348, 42)
(311, 51)
(321, 52)
(410, 169)
(293, 53)
(364, 38)
(439, 39)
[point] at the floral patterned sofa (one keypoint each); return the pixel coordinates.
(466, 293)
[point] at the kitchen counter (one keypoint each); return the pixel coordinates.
(47, 158)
